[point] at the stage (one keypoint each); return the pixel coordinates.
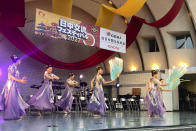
(82, 121)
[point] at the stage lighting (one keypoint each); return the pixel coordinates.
(133, 68)
(0, 72)
(182, 64)
(81, 76)
(155, 67)
(118, 85)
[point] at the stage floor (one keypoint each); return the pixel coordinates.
(82, 121)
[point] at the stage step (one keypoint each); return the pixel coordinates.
(172, 128)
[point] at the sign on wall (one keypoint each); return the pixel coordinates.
(59, 27)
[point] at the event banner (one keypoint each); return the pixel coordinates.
(59, 27)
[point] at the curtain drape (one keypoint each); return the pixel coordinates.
(17, 38)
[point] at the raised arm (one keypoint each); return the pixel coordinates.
(23, 80)
(164, 84)
(11, 76)
(55, 77)
(164, 90)
(72, 83)
(106, 82)
(48, 76)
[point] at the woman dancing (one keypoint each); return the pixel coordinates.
(44, 98)
(161, 90)
(67, 99)
(153, 96)
(11, 101)
(97, 103)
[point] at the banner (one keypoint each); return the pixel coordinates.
(59, 27)
(111, 40)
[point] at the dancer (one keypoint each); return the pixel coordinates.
(44, 98)
(11, 101)
(153, 96)
(97, 103)
(163, 83)
(160, 91)
(67, 99)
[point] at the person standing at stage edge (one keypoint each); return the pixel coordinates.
(153, 99)
(44, 98)
(67, 99)
(11, 101)
(97, 103)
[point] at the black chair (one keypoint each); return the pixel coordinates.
(58, 97)
(125, 104)
(133, 104)
(75, 104)
(107, 101)
(142, 104)
(114, 101)
(83, 103)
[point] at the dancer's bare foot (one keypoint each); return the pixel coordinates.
(96, 115)
(65, 112)
(39, 113)
(20, 118)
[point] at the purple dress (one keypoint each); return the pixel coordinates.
(97, 102)
(154, 98)
(44, 98)
(11, 101)
(67, 99)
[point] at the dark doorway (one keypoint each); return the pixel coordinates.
(187, 93)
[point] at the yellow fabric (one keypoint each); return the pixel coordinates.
(130, 8)
(106, 14)
(62, 7)
(105, 18)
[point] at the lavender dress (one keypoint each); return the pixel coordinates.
(154, 98)
(67, 99)
(10, 99)
(97, 102)
(44, 98)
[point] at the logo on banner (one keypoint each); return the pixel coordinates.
(112, 40)
(59, 27)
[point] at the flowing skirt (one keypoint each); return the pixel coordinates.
(155, 103)
(11, 102)
(43, 99)
(66, 100)
(97, 102)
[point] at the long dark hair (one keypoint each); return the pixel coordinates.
(71, 74)
(14, 58)
(154, 72)
(48, 66)
(99, 68)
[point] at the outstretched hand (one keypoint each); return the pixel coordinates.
(117, 75)
(23, 80)
(76, 83)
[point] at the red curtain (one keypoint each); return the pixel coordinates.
(168, 18)
(16, 37)
(12, 13)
